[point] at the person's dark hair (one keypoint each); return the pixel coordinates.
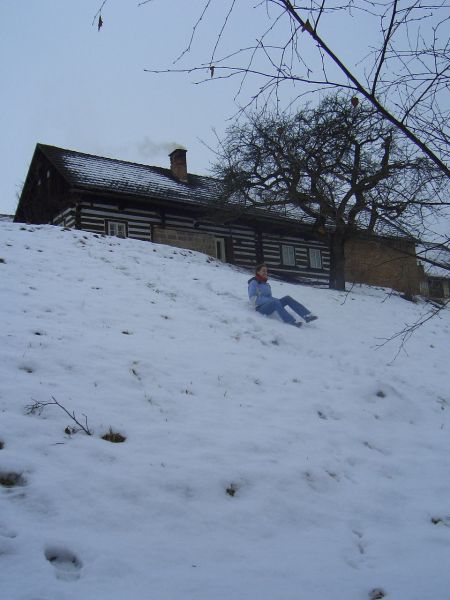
(259, 267)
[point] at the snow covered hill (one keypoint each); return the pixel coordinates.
(261, 461)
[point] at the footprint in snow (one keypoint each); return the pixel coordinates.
(5, 532)
(66, 564)
(357, 552)
(359, 541)
(375, 449)
(7, 546)
(326, 414)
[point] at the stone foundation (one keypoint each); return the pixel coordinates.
(201, 242)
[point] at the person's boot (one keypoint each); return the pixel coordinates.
(310, 317)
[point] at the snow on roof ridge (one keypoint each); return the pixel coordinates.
(117, 160)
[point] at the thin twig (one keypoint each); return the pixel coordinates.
(39, 406)
(99, 12)
(406, 333)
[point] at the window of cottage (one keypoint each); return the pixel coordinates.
(315, 258)
(117, 228)
(220, 249)
(288, 255)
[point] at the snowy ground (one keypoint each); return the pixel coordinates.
(335, 451)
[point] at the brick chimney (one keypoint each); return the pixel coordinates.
(178, 164)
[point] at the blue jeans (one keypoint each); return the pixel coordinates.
(277, 305)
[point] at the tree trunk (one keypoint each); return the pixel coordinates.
(337, 261)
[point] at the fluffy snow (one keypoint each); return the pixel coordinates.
(334, 448)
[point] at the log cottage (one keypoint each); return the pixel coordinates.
(172, 206)
(169, 206)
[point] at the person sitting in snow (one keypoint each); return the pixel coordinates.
(260, 295)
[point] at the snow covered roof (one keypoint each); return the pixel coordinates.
(98, 173)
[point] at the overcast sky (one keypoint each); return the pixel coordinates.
(64, 83)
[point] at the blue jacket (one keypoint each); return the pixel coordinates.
(258, 293)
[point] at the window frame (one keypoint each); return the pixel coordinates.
(284, 262)
(313, 262)
(116, 222)
(220, 241)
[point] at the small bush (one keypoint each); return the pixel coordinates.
(114, 437)
(232, 489)
(11, 479)
(71, 430)
(441, 521)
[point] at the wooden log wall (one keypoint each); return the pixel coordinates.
(302, 271)
(95, 217)
(66, 218)
(242, 240)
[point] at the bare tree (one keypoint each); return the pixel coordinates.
(342, 167)
(402, 68)
(392, 55)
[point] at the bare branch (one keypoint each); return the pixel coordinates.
(407, 332)
(194, 31)
(38, 407)
(99, 12)
(224, 24)
(363, 91)
(387, 39)
(405, 76)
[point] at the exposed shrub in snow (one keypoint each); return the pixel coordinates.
(114, 436)
(441, 521)
(232, 489)
(11, 479)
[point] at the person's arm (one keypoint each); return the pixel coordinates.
(253, 291)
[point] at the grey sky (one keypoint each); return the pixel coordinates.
(65, 84)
